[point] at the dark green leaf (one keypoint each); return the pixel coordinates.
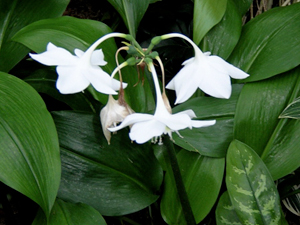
(211, 141)
(223, 37)
(202, 177)
(115, 179)
(131, 11)
(14, 15)
(207, 13)
(243, 6)
(257, 123)
(43, 81)
(292, 110)
(252, 191)
(29, 149)
(261, 51)
(65, 213)
(225, 213)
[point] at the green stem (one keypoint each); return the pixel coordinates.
(182, 194)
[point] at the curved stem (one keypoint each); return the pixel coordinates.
(159, 101)
(118, 68)
(89, 51)
(162, 73)
(117, 61)
(197, 50)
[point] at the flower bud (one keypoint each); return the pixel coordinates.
(113, 113)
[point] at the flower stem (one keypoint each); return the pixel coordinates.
(182, 194)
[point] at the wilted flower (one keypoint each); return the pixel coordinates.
(113, 113)
(209, 73)
(146, 126)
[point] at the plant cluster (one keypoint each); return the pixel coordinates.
(196, 123)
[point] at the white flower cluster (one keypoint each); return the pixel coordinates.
(76, 72)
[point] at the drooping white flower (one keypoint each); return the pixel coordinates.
(113, 113)
(209, 73)
(146, 126)
(77, 72)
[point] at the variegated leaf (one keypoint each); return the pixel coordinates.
(250, 186)
(225, 213)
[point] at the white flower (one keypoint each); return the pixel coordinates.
(146, 126)
(209, 73)
(77, 72)
(113, 113)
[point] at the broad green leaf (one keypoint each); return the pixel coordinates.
(223, 37)
(29, 150)
(252, 191)
(257, 123)
(115, 179)
(43, 81)
(202, 177)
(65, 213)
(131, 11)
(211, 141)
(243, 6)
(225, 213)
(207, 13)
(261, 51)
(81, 34)
(14, 15)
(292, 110)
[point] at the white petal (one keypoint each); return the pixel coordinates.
(55, 56)
(78, 52)
(70, 80)
(232, 71)
(131, 119)
(98, 58)
(143, 131)
(186, 82)
(171, 85)
(178, 121)
(188, 61)
(116, 84)
(100, 80)
(202, 123)
(189, 112)
(214, 82)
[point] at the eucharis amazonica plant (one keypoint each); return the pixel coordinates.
(188, 126)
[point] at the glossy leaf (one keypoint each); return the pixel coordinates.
(252, 191)
(266, 55)
(29, 150)
(202, 177)
(243, 6)
(292, 110)
(211, 141)
(131, 11)
(225, 213)
(257, 123)
(43, 81)
(115, 179)
(65, 213)
(223, 37)
(14, 16)
(207, 13)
